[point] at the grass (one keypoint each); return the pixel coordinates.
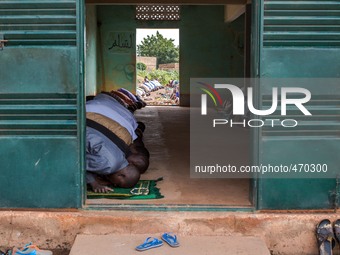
(161, 75)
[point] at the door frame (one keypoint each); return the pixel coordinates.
(254, 67)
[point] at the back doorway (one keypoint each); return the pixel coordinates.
(158, 65)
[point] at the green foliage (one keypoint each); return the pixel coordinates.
(141, 66)
(163, 76)
(158, 46)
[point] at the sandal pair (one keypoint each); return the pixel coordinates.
(152, 242)
(326, 235)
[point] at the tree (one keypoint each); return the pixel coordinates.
(158, 46)
(141, 66)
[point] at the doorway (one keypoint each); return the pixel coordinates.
(157, 66)
(210, 47)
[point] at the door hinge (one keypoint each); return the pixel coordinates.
(81, 67)
(2, 41)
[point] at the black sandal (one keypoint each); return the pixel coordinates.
(8, 252)
(325, 237)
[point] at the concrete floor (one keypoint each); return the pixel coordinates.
(167, 137)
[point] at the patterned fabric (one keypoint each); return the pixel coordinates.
(124, 97)
(98, 107)
(112, 103)
(112, 125)
(129, 94)
(119, 100)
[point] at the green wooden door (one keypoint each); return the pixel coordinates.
(40, 102)
(300, 39)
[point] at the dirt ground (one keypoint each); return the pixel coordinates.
(55, 251)
(161, 97)
(61, 252)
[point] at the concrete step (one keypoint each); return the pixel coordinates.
(198, 245)
(284, 233)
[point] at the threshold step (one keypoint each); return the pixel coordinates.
(198, 245)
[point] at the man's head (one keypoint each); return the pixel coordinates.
(140, 161)
(126, 177)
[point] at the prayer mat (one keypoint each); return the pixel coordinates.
(144, 189)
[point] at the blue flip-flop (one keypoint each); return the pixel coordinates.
(150, 242)
(170, 239)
